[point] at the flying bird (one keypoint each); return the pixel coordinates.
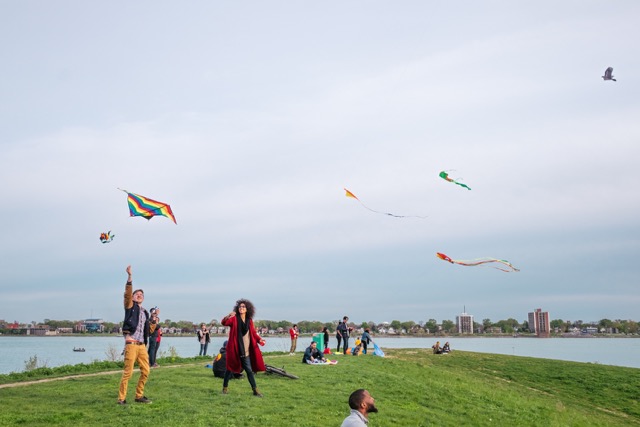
(608, 74)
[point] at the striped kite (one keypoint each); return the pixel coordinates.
(353, 196)
(444, 175)
(147, 208)
(479, 261)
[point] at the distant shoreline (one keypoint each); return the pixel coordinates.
(435, 337)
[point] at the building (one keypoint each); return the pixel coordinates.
(90, 325)
(539, 323)
(464, 323)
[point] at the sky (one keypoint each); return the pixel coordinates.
(250, 118)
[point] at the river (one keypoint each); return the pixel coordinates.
(57, 351)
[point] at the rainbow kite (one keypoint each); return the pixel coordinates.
(444, 175)
(353, 196)
(478, 261)
(147, 208)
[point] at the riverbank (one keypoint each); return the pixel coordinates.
(15, 352)
(411, 387)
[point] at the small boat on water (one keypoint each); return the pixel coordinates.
(78, 349)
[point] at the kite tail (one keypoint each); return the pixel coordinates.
(462, 185)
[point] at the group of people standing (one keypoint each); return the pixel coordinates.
(343, 333)
(241, 349)
(140, 327)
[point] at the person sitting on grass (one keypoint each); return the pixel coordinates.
(446, 348)
(312, 354)
(436, 348)
(220, 364)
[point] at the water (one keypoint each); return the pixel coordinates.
(57, 351)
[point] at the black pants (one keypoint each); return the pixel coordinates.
(338, 337)
(246, 365)
(345, 342)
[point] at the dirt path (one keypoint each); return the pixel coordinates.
(47, 380)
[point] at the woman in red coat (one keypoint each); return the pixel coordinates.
(242, 348)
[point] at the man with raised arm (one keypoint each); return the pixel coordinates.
(136, 332)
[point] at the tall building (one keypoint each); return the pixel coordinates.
(464, 323)
(539, 322)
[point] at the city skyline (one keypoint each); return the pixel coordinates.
(476, 319)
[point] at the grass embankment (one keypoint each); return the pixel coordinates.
(411, 388)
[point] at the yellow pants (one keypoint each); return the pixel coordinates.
(134, 353)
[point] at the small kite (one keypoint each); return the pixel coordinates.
(106, 237)
(353, 196)
(479, 261)
(608, 74)
(445, 176)
(147, 208)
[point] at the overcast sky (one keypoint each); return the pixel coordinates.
(249, 118)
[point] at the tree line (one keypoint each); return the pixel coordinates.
(508, 326)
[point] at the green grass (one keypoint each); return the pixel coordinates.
(411, 388)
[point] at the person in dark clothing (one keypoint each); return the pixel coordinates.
(365, 340)
(312, 354)
(220, 363)
(343, 329)
(325, 332)
(154, 331)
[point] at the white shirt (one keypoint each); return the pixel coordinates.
(356, 419)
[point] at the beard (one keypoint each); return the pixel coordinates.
(371, 408)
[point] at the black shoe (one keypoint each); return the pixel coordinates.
(122, 402)
(142, 399)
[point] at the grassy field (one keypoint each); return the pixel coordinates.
(411, 388)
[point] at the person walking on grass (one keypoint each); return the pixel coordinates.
(135, 329)
(243, 352)
(361, 404)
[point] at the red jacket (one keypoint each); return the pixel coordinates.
(233, 358)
